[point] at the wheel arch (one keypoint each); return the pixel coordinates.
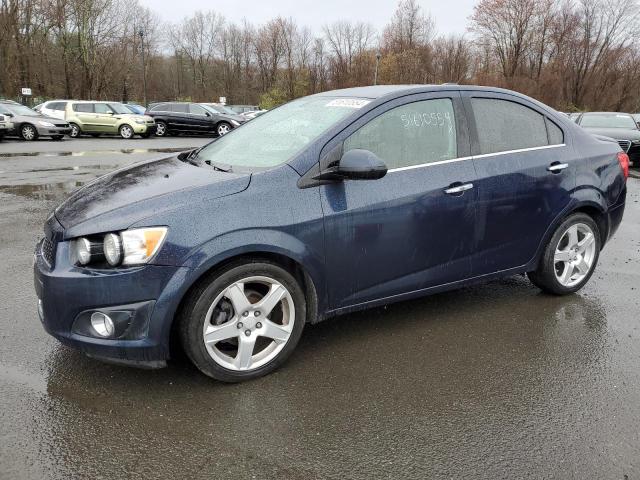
(589, 207)
(266, 254)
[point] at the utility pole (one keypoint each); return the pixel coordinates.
(375, 76)
(144, 70)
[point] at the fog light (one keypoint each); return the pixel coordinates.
(102, 324)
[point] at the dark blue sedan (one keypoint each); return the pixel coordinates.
(332, 203)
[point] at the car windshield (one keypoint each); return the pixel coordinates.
(613, 120)
(276, 136)
(219, 109)
(119, 108)
(19, 109)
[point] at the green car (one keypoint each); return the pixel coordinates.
(97, 118)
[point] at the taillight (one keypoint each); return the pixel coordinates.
(623, 158)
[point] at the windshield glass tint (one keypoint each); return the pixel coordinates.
(119, 108)
(614, 120)
(278, 135)
(20, 110)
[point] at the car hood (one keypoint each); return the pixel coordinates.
(237, 118)
(27, 118)
(615, 133)
(125, 196)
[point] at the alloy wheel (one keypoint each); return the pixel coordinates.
(249, 323)
(126, 131)
(28, 132)
(75, 131)
(223, 129)
(161, 129)
(575, 254)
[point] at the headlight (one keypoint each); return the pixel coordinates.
(84, 250)
(140, 121)
(112, 247)
(236, 123)
(129, 247)
(45, 124)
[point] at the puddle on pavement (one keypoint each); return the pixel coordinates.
(126, 151)
(47, 191)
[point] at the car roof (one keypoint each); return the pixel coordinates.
(379, 91)
(607, 113)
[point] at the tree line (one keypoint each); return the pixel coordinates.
(571, 54)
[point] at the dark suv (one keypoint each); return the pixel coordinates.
(178, 117)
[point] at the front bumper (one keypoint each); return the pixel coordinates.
(65, 291)
(146, 128)
(47, 131)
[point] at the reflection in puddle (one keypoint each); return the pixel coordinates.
(126, 151)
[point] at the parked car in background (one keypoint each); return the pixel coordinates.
(332, 203)
(99, 118)
(622, 127)
(135, 108)
(53, 108)
(195, 118)
(29, 124)
(240, 109)
(5, 126)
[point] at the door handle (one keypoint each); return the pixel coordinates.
(458, 189)
(557, 167)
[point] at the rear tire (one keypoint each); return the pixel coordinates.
(161, 129)
(247, 338)
(75, 131)
(570, 257)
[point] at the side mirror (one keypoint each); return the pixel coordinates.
(9, 114)
(356, 164)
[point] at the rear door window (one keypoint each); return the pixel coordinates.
(408, 135)
(556, 137)
(179, 107)
(503, 125)
(83, 107)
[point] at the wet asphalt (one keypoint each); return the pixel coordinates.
(495, 381)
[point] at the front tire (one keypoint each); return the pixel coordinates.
(28, 132)
(126, 131)
(243, 322)
(570, 258)
(223, 128)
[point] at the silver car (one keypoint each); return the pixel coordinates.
(5, 126)
(29, 124)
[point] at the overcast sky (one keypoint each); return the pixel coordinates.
(450, 15)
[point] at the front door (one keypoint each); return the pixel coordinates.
(105, 120)
(414, 228)
(526, 173)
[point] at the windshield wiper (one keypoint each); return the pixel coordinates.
(219, 167)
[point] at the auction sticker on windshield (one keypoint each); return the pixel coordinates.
(348, 102)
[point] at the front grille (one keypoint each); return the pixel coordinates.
(624, 145)
(48, 251)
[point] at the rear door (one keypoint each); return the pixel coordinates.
(414, 228)
(179, 117)
(526, 175)
(85, 114)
